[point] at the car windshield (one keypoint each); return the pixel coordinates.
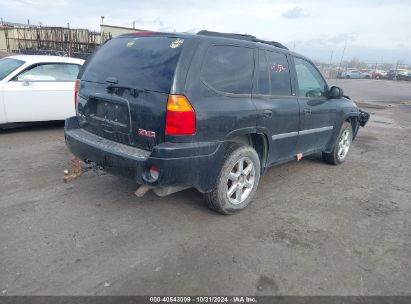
(143, 62)
(8, 65)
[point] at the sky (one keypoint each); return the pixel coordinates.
(370, 30)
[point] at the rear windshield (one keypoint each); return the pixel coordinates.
(8, 65)
(142, 62)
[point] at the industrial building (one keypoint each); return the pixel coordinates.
(63, 41)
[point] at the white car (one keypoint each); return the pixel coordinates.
(37, 88)
(355, 74)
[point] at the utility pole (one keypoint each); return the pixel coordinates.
(396, 70)
(69, 42)
(134, 24)
(329, 65)
(342, 56)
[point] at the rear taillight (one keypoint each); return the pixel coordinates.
(76, 86)
(154, 172)
(180, 116)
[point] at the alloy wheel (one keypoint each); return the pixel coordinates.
(240, 181)
(344, 144)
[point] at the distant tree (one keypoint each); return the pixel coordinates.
(385, 66)
(355, 63)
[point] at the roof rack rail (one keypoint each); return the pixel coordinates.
(241, 37)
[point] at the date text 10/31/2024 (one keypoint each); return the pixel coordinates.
(204, 299)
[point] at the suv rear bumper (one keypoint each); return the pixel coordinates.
(179, 164)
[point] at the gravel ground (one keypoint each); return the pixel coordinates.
(313, 229)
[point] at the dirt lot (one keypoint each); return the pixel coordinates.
(313, 229)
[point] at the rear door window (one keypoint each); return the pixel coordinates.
(141, 62)
(263, 74)
(229, 69)
(274, 74)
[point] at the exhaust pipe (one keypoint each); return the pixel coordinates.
(159, 191)
(143, 189)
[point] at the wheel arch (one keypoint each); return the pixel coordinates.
(355, 125)
(351, 118)
(259, 142)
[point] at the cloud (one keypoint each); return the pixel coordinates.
(336, 39)
(294, 13)
(153, 24)
(40, 3)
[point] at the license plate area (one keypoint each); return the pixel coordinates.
(110, 119)
(113, 116)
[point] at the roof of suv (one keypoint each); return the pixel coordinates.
(242, 37)
(217, 35)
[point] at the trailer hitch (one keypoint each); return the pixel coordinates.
(78, 168)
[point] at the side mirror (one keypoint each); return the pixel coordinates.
(26, 80)
(335, 93)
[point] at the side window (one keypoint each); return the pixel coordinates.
(310, 82)
(50, 72)
(274, 74)
(280, 81)
(229, 69)
(263, 74)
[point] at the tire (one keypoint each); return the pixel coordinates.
(342, 146)
(230, 178)
(348, 76)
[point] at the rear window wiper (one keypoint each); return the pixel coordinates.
(112, 83)
(133, 90)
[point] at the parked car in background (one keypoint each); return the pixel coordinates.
(37, 88)
(378, 74)
(395, 73)
(405, 75)
(355, 74)
(367, 74)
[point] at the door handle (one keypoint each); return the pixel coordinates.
(307, 111)
(112, 80)
(267, 113)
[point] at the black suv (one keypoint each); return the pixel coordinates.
(210, 110)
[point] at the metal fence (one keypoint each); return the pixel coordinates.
(81, 55)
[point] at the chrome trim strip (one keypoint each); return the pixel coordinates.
(303, 132)
(311, 131)
(284, 135)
